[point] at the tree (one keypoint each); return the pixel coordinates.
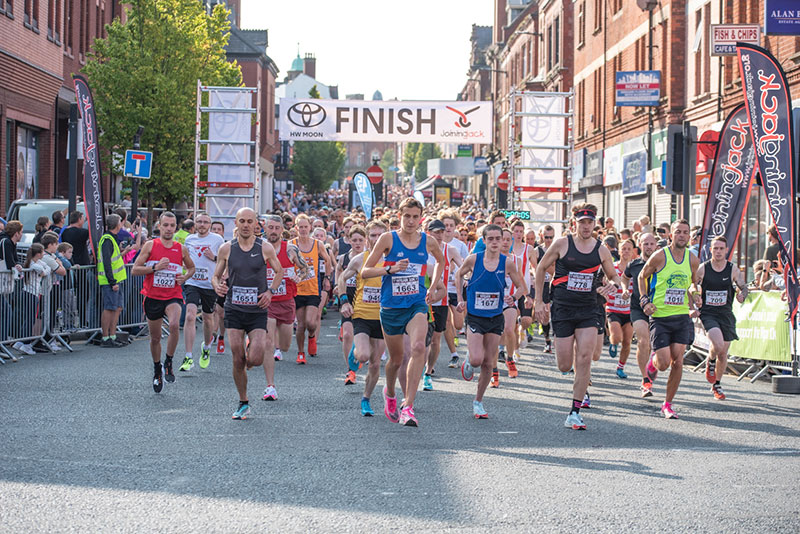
(145, 73)
(426, 151)
(409, 155)
(316, 164)
(387, 164)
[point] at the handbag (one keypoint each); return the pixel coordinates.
(6, 275)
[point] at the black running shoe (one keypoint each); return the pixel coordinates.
(501, 357)
(158, 383)
(168, 370)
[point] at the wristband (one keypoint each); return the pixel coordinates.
(644, 301)
(343, 299)
(388, 269)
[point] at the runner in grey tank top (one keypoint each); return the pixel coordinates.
(247, 278)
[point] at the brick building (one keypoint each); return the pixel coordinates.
(41, 45)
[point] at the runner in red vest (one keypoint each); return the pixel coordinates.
(281, 309)
(162, 262)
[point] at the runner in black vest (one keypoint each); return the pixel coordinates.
(717, 277)
(246, 297)
(641, 323)
(547, 236)
(574, 301)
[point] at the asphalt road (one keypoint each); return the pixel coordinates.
(87, 446)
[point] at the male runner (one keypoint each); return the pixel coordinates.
(640, 321)
(404, 302)
(218, 228)
(280, 313)
(527, 261)
(364, 310)
(547, 235)
(161, 261)
(308, 288)
(247, 297)
(439, 311)
(664, 285)
(618, 308)
(357, 242)
(717, 277)
(455, 320)
(203, 247)
(510, 313)
(574, 302)
(486, 299)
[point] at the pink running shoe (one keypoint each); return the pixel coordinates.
(668, 412)
(407, 417)
(390, 407)
(651, 370)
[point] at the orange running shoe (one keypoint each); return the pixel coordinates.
(717, 390)
(647, 388)
(301, 358)
(350, 378)
(495, 383)
(512, 369)
(312, 346)
(711, 371)
(221, 345)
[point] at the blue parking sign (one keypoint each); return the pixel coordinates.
(138, 163)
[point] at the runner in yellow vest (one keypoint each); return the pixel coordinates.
(664, 285)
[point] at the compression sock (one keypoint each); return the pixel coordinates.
(576, 406)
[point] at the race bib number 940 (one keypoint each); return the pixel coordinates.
(371, 295)
(674, 297)
(244, 296)
(580, 282)
(405, 285)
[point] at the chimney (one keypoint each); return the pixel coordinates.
(310, 66)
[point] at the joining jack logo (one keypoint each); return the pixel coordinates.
(462, 116)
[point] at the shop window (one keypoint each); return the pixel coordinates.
(26, 183)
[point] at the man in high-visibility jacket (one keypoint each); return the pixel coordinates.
(110, 274)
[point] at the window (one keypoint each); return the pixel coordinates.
(581, 94)
(598, 15)
(581, 24)
(549, 48)
(8, 8)
(556, 43)
(698, 56)
(54, 21)
(616, 6)
(68, 27)
(597, 103)
(31, 14)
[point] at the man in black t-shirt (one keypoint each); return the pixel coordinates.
(78, 237)
(774, 248)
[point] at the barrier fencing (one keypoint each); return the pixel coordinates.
(41, 313)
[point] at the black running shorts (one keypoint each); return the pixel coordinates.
(200, 297)
(486, 325)
(566, 319)
(440, 318)
(247, 321)
(371, 327)
(666, 331)
(725, 322)
(155, 309)
(621, 318)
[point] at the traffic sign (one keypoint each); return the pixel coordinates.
(375, 174)
(138, 164)
(502, 181)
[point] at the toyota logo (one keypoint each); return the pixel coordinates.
(306, 114)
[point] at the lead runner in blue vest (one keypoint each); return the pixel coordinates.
(577, 258)
(486, 300)
(405, 302)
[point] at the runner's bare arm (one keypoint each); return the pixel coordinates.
(519, 282)
(455, 257)
(381, 248)
(139, 268)
(653, 265)
(626, 284)
(188, 264)
(465, 269)
(350, 271)
(295, 257)
(695, 300)
(555, 251)
(323, 253)
(608, 266)
(220, 287)
(436, 251)
(696, 286)
(271, 258)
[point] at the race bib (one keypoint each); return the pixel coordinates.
(486, 301)
(580, 282)
(281, 288)
(620, 302)
(200, 274)
(244, 296)
(414, 269)
(716, 298)
(405, 285)
(674, 297)
(371, 295)
(164, 278)
(309, 273)
(351, 282)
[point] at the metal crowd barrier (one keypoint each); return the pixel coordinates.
(44, 317)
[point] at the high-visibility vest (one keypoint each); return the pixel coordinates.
(117, 263)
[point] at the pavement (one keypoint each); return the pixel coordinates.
(87, 446)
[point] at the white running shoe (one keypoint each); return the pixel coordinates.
(270, 394)
(27, 349)
(575, 421)
(278, 355)
(478, 410)
(384, 356)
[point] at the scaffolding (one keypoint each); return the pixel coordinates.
(540, 155)
(230, 154)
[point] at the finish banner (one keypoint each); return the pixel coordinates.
(731, 176)
(311, 119)
(364, 189)
(92, 179)
(769, 109)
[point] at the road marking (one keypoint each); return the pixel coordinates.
(331, 335)
(507, 432)
(387, 493)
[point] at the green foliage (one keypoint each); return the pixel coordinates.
(145, 73)
(387, 163)
(316, 164)
(409, 156)
(426, 151)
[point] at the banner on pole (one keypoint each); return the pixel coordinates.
(364, 189)
(769, 110)
(382, 121)
(92, 178)
(731, 176)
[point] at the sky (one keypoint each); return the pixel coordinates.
(407, 49)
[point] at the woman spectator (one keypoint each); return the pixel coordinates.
(42, 226)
